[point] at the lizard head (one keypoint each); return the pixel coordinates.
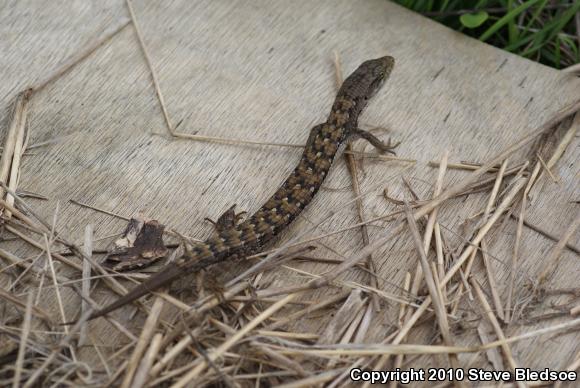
(361, 85)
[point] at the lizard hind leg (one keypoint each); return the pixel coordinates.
(375, 141)
(229, 219)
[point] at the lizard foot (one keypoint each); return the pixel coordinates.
(229, 219)
(375, 141)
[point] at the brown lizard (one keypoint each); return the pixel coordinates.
(239, 239)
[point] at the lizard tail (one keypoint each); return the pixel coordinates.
(160, 279)
(156, 281)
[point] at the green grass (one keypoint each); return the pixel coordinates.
(546, 31)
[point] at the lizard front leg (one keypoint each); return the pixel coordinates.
(373, 140)
(228, 220)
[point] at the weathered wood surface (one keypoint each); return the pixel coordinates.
(263, 71)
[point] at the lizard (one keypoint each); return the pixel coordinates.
(233, 238)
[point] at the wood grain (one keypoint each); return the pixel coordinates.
(262, 70)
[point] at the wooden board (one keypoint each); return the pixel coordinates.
(263, 71)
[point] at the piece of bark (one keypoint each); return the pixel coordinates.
(140, 246)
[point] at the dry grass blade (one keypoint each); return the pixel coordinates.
(143, 342)
(433, 223)
(516, 252)
(488, 266)
(40, 246)
(14, 144)
(193, 374)
(170, 355)
(493, 355)
(23, 341)
(86, 283)
(315, 307)
(491, 278)
(555, 255)
(403, 306)
(55, 281)
(364, 325)
(547, 234)
(337, 326)
(16, 261)
(64, 342)
(554, 178)
(496, 326)
(150, 65)
(313, 381)
(431, 280)
(79, 57)
(223, 140)
(82, 204)
(531, 334)
(19, 147)
(36, 311)
(374, 350)
(284, 361)
(142, 373)
(564, 142)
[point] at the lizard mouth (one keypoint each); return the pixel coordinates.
(376, 85)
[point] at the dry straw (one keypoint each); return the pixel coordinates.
(246, 332)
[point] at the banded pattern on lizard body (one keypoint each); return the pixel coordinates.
(249, 236)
